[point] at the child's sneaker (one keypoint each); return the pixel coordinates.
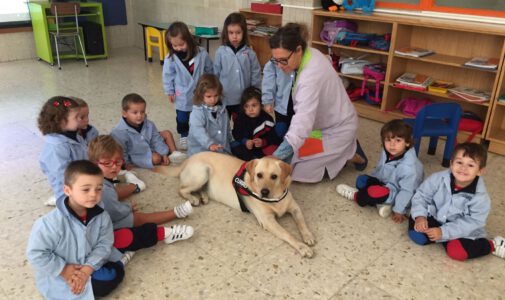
(346, 191)
(183, 210)
(177, 157)
(499, 246)
(183, 144)
(51, 201)
(131, 178)
(127, 256)
(176, 233)
(384, 210)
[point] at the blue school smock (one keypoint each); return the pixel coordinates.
(138, 147)
(179, 82)
(91, 133)
(59, 238)
(236, 71)
(276, 87)
(60, 150)
(120, 213)
(401, 176)
(205, 130)
(462, 215)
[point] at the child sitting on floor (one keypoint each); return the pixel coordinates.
(133, 229)
(395, 178)
(59, 121)
(87, 131)
(142, 144)
(210, 128)
(451, 207)
(253, 131)
(72, 244)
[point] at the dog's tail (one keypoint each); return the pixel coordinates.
(170, 171)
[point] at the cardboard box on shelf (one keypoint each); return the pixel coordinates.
(266, 7)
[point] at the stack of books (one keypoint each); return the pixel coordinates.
(264, 30)
(413, 51)
(413, 81)
(483, 63)
(470, 94)
(252, 23)
(439, 86)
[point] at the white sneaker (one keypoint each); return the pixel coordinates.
(51, 201)
(127, 256)
(176, 233)
(384, 210)
(499, 246)
(177, 157)
(183, 143)
(131, 178)
(183, 210)
(346, 191)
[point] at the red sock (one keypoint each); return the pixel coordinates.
(160, 232)
(491, 243)
(456, 251)
(122, 238)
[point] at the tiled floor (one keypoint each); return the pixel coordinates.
(358, 254)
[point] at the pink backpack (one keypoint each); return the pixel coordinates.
(376, 72)
(410, 106)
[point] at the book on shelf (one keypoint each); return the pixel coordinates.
(470, 94)
(414, 80)
(440, 86)
(483, 63)
(502, 98)
(413, 51)
(408, 87)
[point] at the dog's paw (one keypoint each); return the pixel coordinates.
(205, 198)
(305, 251)
(194, 201)
(308, 238)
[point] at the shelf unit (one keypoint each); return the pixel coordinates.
(260, 44)
(496, 129)
(454, 43)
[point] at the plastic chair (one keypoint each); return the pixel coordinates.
(67, 29)
(154, 38)
(435, 120)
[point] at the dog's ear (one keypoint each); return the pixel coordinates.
(285, 172)
(250, 166)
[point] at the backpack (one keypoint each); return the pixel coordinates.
(332, 28)
(410, 106)
(472, 123)
(348, 38)
(378, 73)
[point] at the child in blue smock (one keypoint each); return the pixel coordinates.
(209, 128)
(394, 180)
(86, 130)
(143, 145)
(276, 87)
(253, 130)
(236, 64)
(451, 207)
(183, 66)
(59, 121)
(71, 246)
(133, 229)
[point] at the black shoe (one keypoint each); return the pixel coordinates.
(361, 153)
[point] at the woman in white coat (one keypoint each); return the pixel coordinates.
(322, 134)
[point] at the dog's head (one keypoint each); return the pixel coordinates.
(268, 177)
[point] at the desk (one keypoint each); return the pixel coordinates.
(164, 26)
(40, 13)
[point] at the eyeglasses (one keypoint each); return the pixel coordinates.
(282, 61)
(111, 163)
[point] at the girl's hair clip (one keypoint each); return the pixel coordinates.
(56, 103)
(66, 103)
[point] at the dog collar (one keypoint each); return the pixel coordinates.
(243, 190)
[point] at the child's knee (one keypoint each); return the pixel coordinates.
(456, 251)
(418, 237)
(281, 128)
(361, 181)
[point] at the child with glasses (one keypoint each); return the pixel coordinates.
(59, 121)
(276, 87)
(253, 132)
(236, 64)
(143, 145)
(133, 229)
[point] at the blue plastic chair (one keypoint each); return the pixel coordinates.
(435, 120)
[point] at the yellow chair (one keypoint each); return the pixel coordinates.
(154, 38)
(165, 47)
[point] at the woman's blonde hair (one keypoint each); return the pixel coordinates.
(206, 82)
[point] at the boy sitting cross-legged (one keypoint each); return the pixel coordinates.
(71, 246)
(451, 207)
(133, 229)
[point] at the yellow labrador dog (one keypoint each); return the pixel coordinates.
(259, 186)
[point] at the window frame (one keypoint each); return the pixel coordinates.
(429, 5)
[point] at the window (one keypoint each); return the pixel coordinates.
(14, 12)
(490, 8)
